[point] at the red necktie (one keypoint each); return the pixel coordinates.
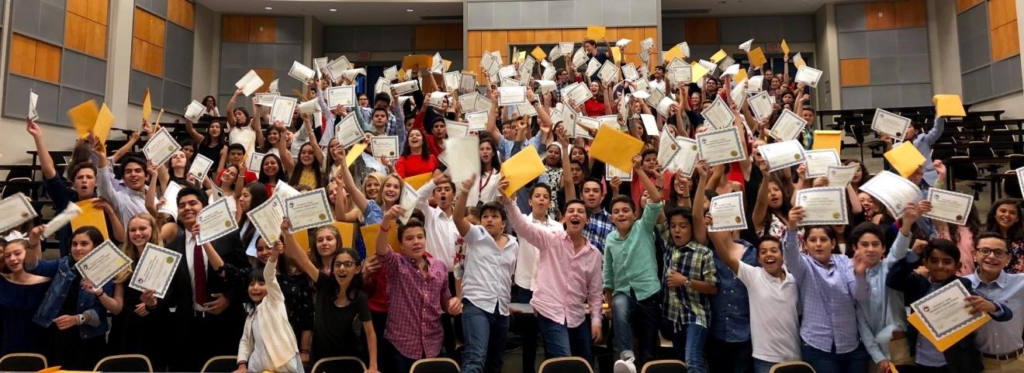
(199, 267)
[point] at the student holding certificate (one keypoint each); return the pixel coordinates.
(942, 258)
(74, 340)
(21, 294)
(998, 342)
(1005, 217)
(308, 171)
(416, 158)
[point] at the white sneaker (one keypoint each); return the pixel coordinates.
(625, 366)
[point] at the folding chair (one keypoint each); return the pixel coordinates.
(339, 365)
(221, 364)
(565, 365)
(792, 367)
(435, 365)
(125, 363)
(664, 366)
(23, 362)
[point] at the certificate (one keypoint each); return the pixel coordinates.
(564, 48)
(526, 110)
(686, 158)
(781, 155)
(301, 72)
(610, 172)
(808, 76)
(727, 213)
(103, 263)
(608, 72)
(584, 125)
(890, 124)
(467, 82)
(215, 221)
(761, 105)
(841, 176)
(267, 218)
(348, 131)
(308, 210)
(452, 80)
(681, 74)
(943, 314)
(436, 99)
(477, 121)
(266, 99)
(721, 146)
(510, 96)
(1020, 179)
(170, 205)
(65, 217)
(256, 162)
(719, 115)
(654, 97)
(160, 147)
(665, 107)
(409, 200)
(893, 191)
(823, 206)
(344, 96)
(818, 162)
(788, 127)
(200, 167)
(33, 99)
(249, 83)
(193, 112)
(579, 58)
(456, 129)
(579, 94)
(384, 147)
(592, 67)
(667, 147)
(391, 74)
(950, 207)
(650, 124)
(383, 86)
(155, 270)
(629, 72)
(17, 210)
(507, 72)
(336, 68)
(282, 110)
(406, 87)
(463, 157)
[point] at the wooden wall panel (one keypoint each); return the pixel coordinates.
(155, 61)
(79, 7)
(1005, 41)
(76, 32)
(268, 76)
(262, 29)
(23, 55)
(548, 36)
(182, 13)
(473, 64)
(47, 62)
(701, 30)
(140, 51)
(521, 37)
(855, 72)
(575, 35)
(474, 45)
(96, 43)
(963, 5)
(234, 29)
(880, 16)
(652, 32)
(157, 30)
(452, 36)
(429, 38)
(910, 13)
(1001, 12)
(610, 34)
(97, 11)
(636, 34)
(495, 41)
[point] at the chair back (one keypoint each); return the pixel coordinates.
(23, 362)
(435, 365)
(565, 365)
(125, 363)
(1011, 185)
(664, 366)
(16, 185)
(341, 364)
(221, 364)
(792, 367)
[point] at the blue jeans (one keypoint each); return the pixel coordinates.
(855, 361)
(485, 334)
(402, 364)
(730, 357)
(628, 313)
(563, 341)
(761, 366)
(687, 342)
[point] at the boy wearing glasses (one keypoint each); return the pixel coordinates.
(1000, 344)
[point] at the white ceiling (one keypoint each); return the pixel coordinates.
(743, 7)
(376, 12)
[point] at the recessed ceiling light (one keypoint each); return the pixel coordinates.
(333, 10)
(409, 10)
(268, 8)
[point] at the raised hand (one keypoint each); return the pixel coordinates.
(796, 215)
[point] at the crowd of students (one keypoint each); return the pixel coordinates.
(597, 258)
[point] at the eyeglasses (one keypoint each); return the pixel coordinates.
(346, 264)
(998, 254)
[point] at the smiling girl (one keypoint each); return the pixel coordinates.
(21, 293)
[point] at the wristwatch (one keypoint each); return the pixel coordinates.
(81, 319)
(688, 283)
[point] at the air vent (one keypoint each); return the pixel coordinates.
(442, 18)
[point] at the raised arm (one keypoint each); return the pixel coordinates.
(191, 129)
(257, 127)
(652, 190)
(760, 214)
(791, 248)
(460, 207)
(45, 160)
(358, 198)
(231, 103)
(295, 254)
(127, 147)
(700, 226)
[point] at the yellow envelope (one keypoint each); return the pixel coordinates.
(520, 170)
(799, 62)
(615, 148)
(50, 369)
(104, 122)
(756, 56)
(905, 158)
(944, 343)
(417, 61)
(538, 54)
(720, 55)
(401, 75)
(697, 71)
(617, 54)
(83, 117)
(147, 106)
(785, 47)
(596, 32)
(346, 230)
(741, 76)
(90, 216)
(949, 106)
(828, 140)
(302, 239)
(354, 153)
(370, 233)
(418, 181)
(447, 64)
(158, 115)
(673, 53)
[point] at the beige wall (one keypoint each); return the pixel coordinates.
(827, 58)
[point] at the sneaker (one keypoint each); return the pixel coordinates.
(625, 366)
